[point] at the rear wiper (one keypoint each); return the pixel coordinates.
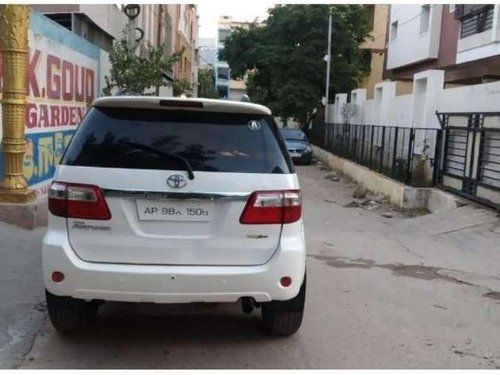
(162, 153)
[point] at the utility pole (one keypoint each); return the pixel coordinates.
(328, 59)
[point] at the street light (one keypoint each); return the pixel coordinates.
(132, 11)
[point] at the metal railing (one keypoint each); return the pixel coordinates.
(402, 153)
(470, 163)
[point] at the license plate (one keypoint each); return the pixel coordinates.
(174, 210)
(295, 155)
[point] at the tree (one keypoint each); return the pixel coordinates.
(206, 81)
(284, 58)
(181, 86)
(135, 73)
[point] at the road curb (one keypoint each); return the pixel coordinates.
(399, 194)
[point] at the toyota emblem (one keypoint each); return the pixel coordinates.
(176, 181)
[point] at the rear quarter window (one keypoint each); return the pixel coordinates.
(160, 139)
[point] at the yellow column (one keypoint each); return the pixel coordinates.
(14, 21)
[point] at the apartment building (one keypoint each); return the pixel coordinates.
(185, 23)
(174, 26)
(463, 40)
(228, 88)
(478, 44)
(152, 22)
(207, 52)
(99, 24)
(375, 45)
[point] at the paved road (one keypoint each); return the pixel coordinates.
(21, 292)
(382, 293)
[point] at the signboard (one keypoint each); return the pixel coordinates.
(62, 80)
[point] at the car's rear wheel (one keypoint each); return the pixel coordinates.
(284, 318)
(69, 315)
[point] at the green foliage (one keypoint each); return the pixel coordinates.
(135, 73)
(181, 86)
(206, 80)
(284, 58)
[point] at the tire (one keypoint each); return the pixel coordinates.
(70, 315)
(284, 318)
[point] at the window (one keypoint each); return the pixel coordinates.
(223, 91)
(370, 9)
(223, 34)
(218, 54)
(425, 16)
(474, 18)
(164, 139)
(63, 19)
(394, 30)
(222, 73)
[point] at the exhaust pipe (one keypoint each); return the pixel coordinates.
(247, 304)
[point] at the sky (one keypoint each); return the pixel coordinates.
(240, 10)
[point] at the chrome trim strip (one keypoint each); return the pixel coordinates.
(176, 195)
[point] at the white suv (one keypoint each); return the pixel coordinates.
(175, 201)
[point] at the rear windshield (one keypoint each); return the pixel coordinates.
(163, 139)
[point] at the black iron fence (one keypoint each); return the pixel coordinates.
(404, 154)
(317, 133)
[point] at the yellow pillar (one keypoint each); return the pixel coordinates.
(14, 22)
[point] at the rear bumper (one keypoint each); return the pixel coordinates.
(174, 284)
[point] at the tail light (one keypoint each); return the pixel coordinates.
(272, 207)
(77, 201)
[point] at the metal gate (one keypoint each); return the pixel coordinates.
(470, 160)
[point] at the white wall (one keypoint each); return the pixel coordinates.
(397, 112)
(367, 112)
(236, 94)
(166, 91)
(410, 44)
(481, 98)
(104, 70)
(400, 110)
(419, 108)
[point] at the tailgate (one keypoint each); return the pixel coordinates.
(163, 226)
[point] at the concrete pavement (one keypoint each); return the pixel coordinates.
(22, 305)
(383, 292)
